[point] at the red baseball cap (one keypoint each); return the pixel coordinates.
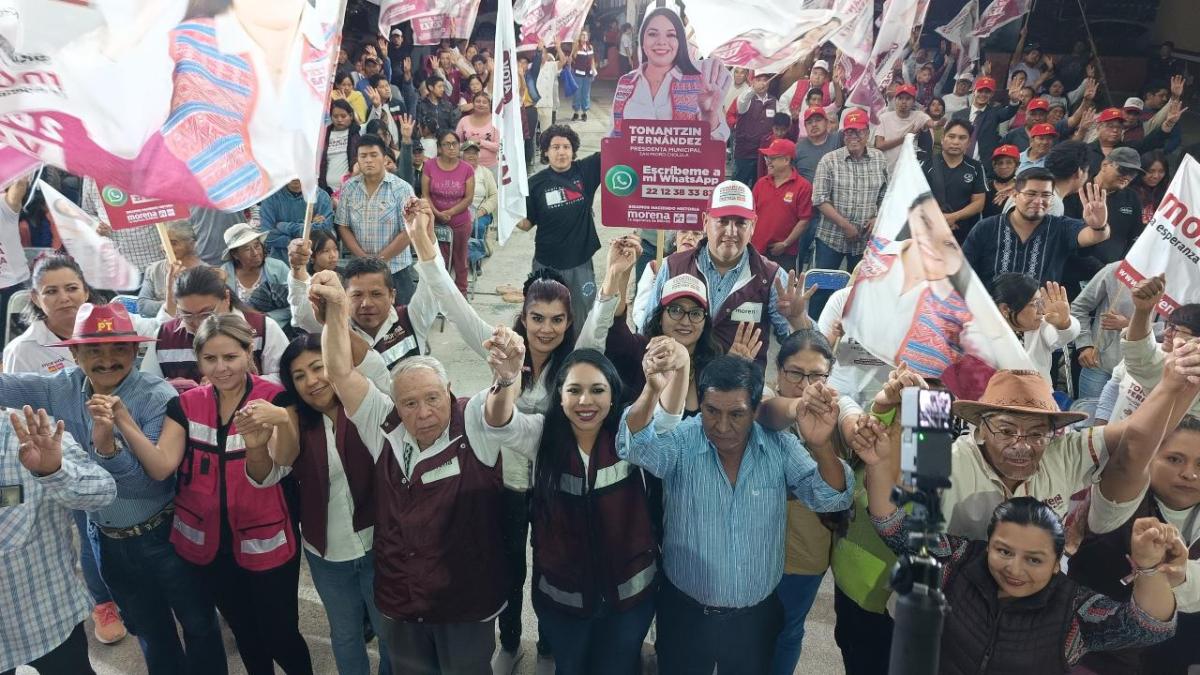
(732, 198)
(95, 324)
(1110, 114)
(779, 147)
(814, 110)
(1006, 151)
(909, 89)
(856, 119)
(985, 83)
(1037, 104)
(1043, 130)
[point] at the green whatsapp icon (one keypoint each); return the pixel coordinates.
(621, 180)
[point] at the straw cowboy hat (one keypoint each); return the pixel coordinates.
(1024, 392)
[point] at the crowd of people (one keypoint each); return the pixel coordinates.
(685, 444)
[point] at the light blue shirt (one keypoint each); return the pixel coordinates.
(724, 544)
(721, 286)
(1026, 163)
(65, 395)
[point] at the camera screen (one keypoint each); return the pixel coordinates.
(934, 410)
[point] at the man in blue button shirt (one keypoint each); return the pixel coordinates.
(726, 481)
(151, 585)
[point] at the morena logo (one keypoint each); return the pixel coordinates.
(1177, 212)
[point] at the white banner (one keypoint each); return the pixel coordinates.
(960, 31)
(201, 103)
(914, 298)
(1170, 244)
(895, 29)
(513, 186)
(998, 14)
(761, 34)
(857, 33)
(102, 263)
(551, 21)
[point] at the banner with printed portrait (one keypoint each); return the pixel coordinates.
(914, 299)
(216, 104)
(551, 21)
(102, 264)
(1170, 244)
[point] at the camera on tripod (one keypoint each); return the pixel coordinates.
(928, 433)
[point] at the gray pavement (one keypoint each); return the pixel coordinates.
(507, 266)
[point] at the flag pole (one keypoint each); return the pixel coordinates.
(166, 242)
(1095, 52)
(308, 209)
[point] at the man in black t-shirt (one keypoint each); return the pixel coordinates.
(957, 181)
(1117, 171)
(560, 206)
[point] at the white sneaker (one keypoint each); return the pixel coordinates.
(505, 662)
(545, 665)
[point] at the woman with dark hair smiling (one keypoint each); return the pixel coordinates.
(668, 85)
(1151, 185)
(594, 549)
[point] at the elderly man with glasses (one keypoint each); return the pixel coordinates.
(1027, 240)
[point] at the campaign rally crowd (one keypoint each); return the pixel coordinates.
(681, 439)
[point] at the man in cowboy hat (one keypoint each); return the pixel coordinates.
(148, 581)
(1014, 450)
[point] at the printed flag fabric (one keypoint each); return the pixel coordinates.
(761, 34)
(895, 27)
(961, 31)
(102, 264)
(856, 33)
(166, 100)
(999, 13)
(431, 20)
(1170, 244)
(513, 186)
(914, 299)
(550, 21)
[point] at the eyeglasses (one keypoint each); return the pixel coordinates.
(801, 377)
(694, 315)
(1037, 196)
(449, 144)
(197, 317)
(1010, 436)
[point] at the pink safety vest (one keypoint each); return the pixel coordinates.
(262, 528)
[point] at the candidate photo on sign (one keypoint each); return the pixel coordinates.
(668, 84)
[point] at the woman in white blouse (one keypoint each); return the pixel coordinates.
(1041, 317)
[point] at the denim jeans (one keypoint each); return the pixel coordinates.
(806, 245)
(154, 588)
(87, 561)
(1091, 383)
(609, 643)
(829, 259)
(346, 589)
(745, 171)
(583, 96)
(796, 592)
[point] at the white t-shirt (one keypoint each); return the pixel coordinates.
(954, 103)
(892, 126)
(1041, 343)
(29, 352)
(13, 267)
(337, 162)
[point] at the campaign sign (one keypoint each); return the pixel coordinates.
(1170, 244)
(658, 175)
(127, 211)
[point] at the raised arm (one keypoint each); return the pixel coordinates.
(623, 253)
(327, 295)
(1095, 215)
(506, 357)
(59, 463)
(667, 367)
(474, 330)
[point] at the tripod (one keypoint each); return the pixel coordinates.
(921, 608)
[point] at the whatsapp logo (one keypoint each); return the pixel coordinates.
(113, 196)
(621, 180)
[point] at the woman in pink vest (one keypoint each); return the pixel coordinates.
(241, 538)
(595, 553)
(692, 93)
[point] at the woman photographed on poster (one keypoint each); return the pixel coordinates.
(925, 282)
(669, 85)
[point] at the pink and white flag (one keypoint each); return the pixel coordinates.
(102, 263)
(999, 13)
(761, 34)
(961, 31)
(895, 29)
(857, 32)
(550, 21)
(513, 186)
(172, 99)
(431, 20)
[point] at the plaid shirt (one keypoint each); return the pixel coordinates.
(378, 218)
(43, 598)
(855, 187)
(140, 245)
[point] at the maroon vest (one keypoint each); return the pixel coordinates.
(311, 471)
(752, 126)
(400, 341)
(593, 542)
(757, 290)
(438, 549)
(176, 353)
(1099, 564)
